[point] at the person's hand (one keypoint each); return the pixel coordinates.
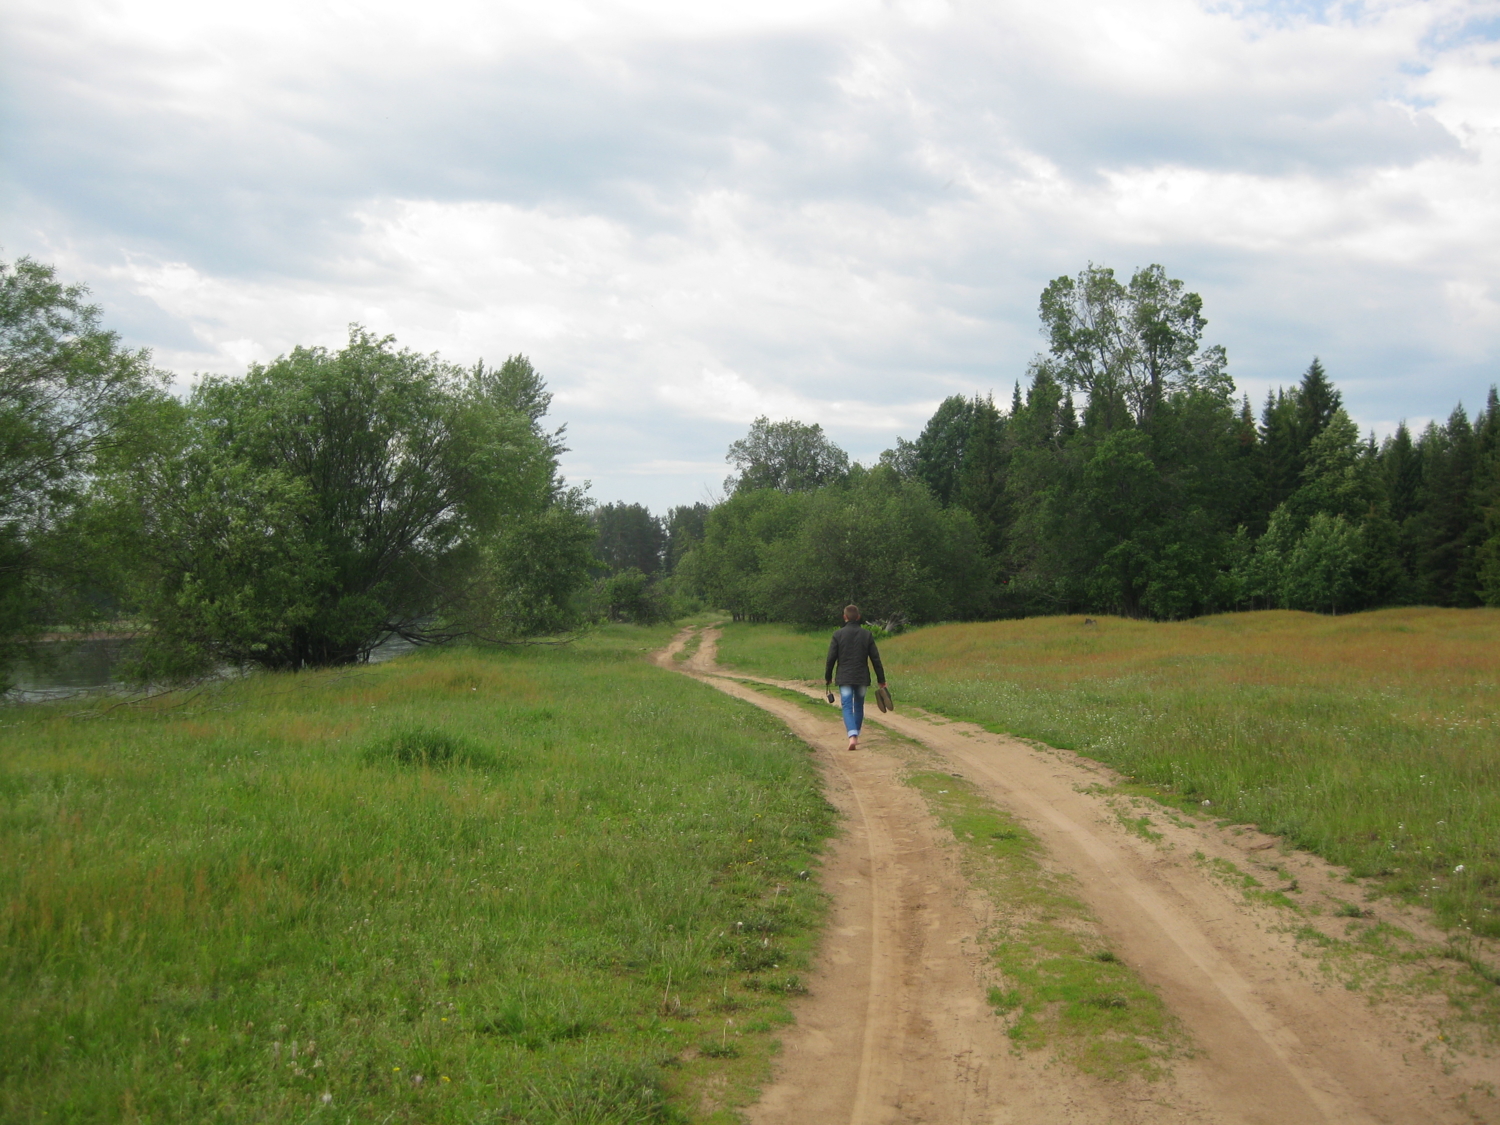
(882, 683)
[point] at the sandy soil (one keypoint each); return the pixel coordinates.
(896, 1028)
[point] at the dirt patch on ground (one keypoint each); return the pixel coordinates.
(897, 1027)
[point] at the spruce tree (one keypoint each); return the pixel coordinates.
(1317, 402)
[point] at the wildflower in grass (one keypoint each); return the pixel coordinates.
(327, 1098)
(1459, 870)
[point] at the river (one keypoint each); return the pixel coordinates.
(90, 665)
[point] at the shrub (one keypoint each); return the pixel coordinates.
(426, 746)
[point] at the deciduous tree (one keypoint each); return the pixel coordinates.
(70, 396)
(789, 456)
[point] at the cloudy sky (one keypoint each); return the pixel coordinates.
(689, 214)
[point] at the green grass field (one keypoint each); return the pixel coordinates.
(539, 885)
(1371, 739)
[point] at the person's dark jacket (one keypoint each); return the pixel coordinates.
(850, 648)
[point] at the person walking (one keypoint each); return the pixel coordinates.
(852, 651)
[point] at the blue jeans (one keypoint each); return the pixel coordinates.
(853, 698)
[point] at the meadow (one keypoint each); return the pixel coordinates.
(1371, 739)
(532, 885)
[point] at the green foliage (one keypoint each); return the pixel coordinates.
(727, 567)
(1134, 520)
(685, 525)
(301, 514)
(1321, 571)
(228, 564)
(962, 456)
(226, 907)
(883, 544)
(1128, 347)
(529, 573)
(629, 536)
(324, 502)
(1166, 499)
(789, 456)
(875, 540)
(633, 597)
(71, 400)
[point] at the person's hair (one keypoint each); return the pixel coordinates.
(851, 613)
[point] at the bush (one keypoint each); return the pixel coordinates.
(883, 544)
(633, 597)
(427, 747)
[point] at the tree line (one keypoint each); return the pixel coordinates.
(308, 510)
(296, 516)
(1125, 478)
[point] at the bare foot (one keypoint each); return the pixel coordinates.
(854, 744)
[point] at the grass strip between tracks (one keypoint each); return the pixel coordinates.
(1060, 986)
(538, 885)
(1057, 986)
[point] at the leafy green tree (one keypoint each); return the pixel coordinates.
(727, 567)
(528, 575)
(629, 595)
(1279, 464)
(789, 456)
(1043, 568)
(1340, 476)
(331, 499)
(1318, 404)
(1128, 346)
(1291, 421)
(939, 451)
(1165, 497)
(686, 526)
(629, 537)
(884, 544)
(226, 564)
(1321, 572)
(1486, 503)
(1112, 516)
(1345, 565)
(71, 398)
(1401, 466)
(901, 459)
(516, 386)
(963, 456)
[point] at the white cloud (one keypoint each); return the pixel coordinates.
(838, 210)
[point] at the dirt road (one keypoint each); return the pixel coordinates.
(897, 1028)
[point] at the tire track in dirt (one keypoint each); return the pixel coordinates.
(897, 1029)
(847, 1061)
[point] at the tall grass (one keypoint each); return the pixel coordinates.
(1371, 739)
(551, 885)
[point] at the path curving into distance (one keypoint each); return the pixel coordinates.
(896, 1028)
